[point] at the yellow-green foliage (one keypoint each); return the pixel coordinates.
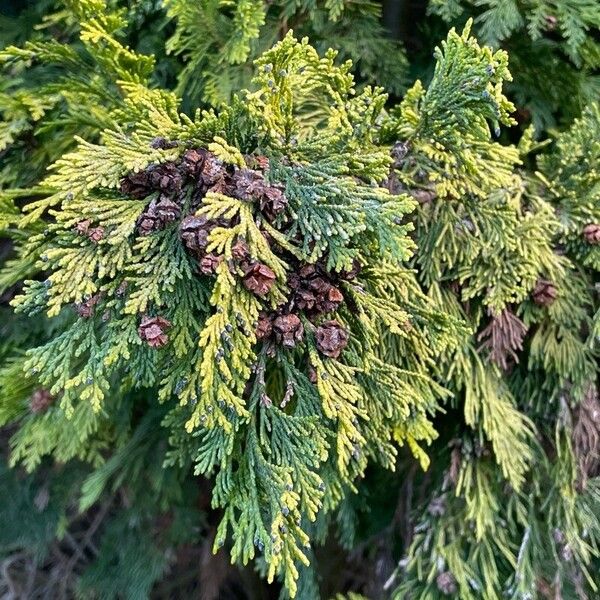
(450, 228)
(221, 388)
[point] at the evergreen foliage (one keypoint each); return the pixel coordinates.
(218, 41)
(512, 258)
(558, 38)
(233, 330)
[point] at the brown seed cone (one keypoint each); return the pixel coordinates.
(313, 291)
(305, 300)
(194, 232)
(152, 331)
(96, 234)
(162, 143)
(297, 278)
(86, 309)
(221, 187)
(591, 233)
(503, 337)
(423, 196)
(352, 272)
(331, 338)
(259, 162)
(544, 293)
(399, 152)
(307, 271)
(259, 279)
(157, 215)
(192, 162)
(446, 583)
(165, 178)
(208, 264)
(93, 233)
(264, 326)
(288, 330)
(319, 301)
(240, 250)
(136, 185)
(332, 300)
(585, 436)
(40, 401)
(83, 227)
(148, 221)
(248, 185)
(328, 297)
(213, 171)
(273, 202)
(167, 210)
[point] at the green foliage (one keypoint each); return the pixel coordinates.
(27, 498)
(547, 534)
(556, 37)
(267, 483)
(218, 41)
(478, 538)
(447, 125)
(128, 566)
(469, 316)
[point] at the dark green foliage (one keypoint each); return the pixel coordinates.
(128, 564)
(218, 42)
(29, 520)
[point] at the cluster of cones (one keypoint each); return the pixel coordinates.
(176, 190)
(200, 171)
(313, 292)
(178, 186)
